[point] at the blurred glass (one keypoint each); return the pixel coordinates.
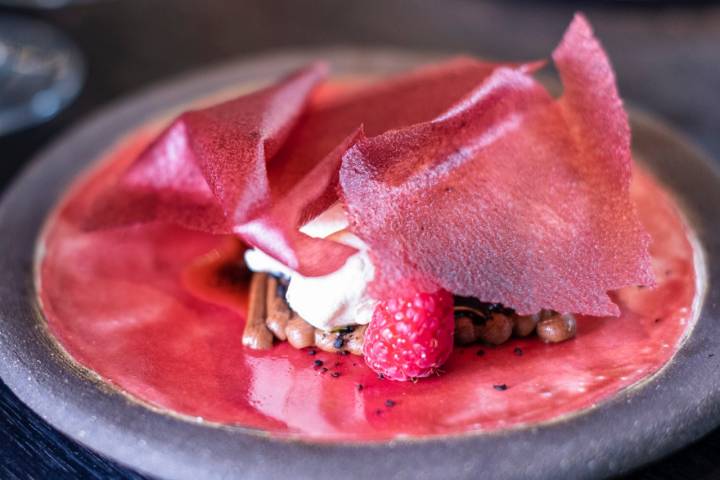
(41, 71)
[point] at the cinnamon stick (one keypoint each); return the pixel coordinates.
(256, 334)
(277, 310)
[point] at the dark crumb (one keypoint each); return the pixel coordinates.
(318, 363)
(480, 353)
(335, 374)
(381, 376)
(324, 369)
(344, 353)
(518, 351)
(657, 320)
(378, 412)
(354, 364)
(312, 351)
(339, 342)
(390, 403)
(502, 387)
(360, 387)
(710, 355)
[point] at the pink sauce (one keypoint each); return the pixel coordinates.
(118, 303)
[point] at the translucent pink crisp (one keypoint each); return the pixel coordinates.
(511, 196)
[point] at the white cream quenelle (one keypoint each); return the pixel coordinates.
(330, 301)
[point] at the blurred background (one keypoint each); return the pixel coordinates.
(60, 60)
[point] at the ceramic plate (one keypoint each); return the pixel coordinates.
(671, 409)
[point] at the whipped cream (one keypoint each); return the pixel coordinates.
(330, 301)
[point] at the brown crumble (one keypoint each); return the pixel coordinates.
(501, 388)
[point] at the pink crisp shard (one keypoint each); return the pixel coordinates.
(510, 196)
(261, 165)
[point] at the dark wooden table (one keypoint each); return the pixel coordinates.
(667, 57)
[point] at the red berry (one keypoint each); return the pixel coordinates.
(410, 337)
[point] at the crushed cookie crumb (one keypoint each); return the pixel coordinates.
(339, 342)
(390, 403)
(318, 363)
(312, 351)
(501, 388)
(360, 387)
(324, 369)
(518, 351)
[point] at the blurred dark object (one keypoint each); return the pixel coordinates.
(41, 71)
(666, 55)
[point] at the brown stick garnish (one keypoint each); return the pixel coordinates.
(277, 310)
(256, 334)
(300, 334)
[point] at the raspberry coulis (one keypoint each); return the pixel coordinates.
(118, 302)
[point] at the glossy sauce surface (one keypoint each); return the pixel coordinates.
(119, 302)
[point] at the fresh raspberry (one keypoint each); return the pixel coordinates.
(410, 337)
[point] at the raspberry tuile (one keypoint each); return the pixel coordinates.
(411, 336)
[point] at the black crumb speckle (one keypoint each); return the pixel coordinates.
(390, 403)
(710, 355)
(518, 351)
(312, 351)
(335, 374)
(344, 353)
(318, 363)
(480, 353)
(502, 387)
(324, 369)
(360, 387)
(381, 376)
(339, 342)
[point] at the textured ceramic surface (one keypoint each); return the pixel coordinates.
(675, 407)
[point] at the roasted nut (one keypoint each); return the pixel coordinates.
(300, 334)
(354, 342)
(525, 325)
(464, 330)
(496, 330)
(557, 328)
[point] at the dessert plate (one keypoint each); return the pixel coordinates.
(640, 424)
